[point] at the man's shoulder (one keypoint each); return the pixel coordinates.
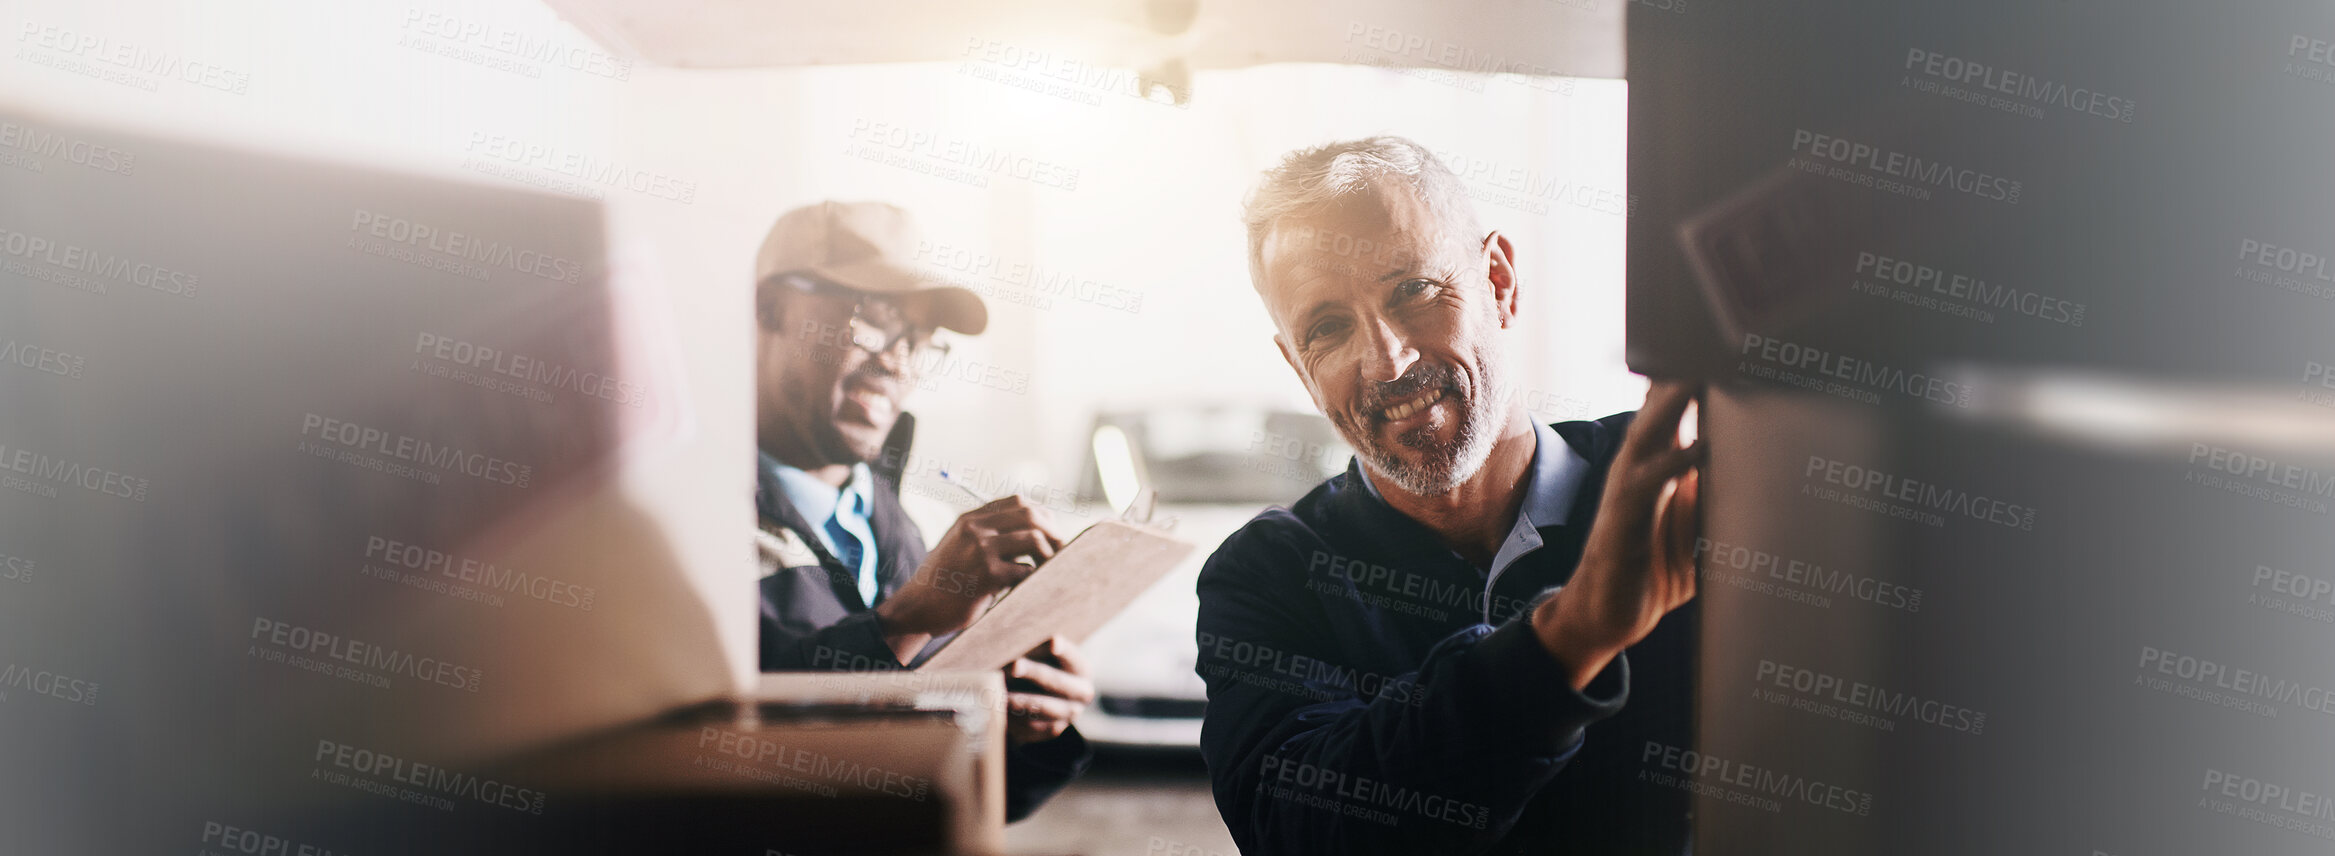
(1281, 532)
(1596, 440)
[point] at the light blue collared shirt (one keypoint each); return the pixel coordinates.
(1549, 488)
(838, 514)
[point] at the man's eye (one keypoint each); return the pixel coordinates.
(1413, 289)
(1324, 330)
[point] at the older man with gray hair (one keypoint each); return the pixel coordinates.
(1431, 652)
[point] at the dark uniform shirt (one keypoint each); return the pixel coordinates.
(1370, 691)
(814, 619)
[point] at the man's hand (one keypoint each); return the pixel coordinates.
(974, 560)
(1638, 564)
(1046, 689)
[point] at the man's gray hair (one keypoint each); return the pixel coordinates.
(1312, 178)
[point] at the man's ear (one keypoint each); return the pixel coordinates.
(1500, 268)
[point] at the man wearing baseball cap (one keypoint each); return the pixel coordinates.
(843, 320)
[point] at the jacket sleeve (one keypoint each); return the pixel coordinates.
(854, 644)
(1307, 755)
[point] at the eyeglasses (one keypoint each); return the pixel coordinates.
(877, 325)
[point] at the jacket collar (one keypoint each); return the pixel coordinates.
(815, 499)
(1560, 470)
(771, 497)
(774, 508)
(1551, 482)
(900, 548)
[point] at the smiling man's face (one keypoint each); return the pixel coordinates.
(820, 399)
(1393, 323)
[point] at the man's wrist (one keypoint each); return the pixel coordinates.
(900, 633)
(1581, 655)
(921, 608)
(905, 613)
(1514, 689)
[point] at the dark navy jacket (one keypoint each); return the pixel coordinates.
(813, 618)
(1360, 702)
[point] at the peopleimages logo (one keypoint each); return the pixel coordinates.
(1968, 289)
(1063, 76)
(2295, 809)
(59, 471)
(1910, 168)
(587, 170)
(431, 779)
(1404, 52)
(1026, 282)
(1869, 697)
(65, 688)
(1769, 351)
(516, 46)
(131, 59)
(2245, 682)
(289, 637)
(527, 369)
(104, 267)
(79, 152)
(466, 247)
(1751, 562)
(1760, 781)
(958, 158)
(235, 839)
(421, 453)
(1268, 667)
(1922, 494)
(2293, 584)
(16, 568)
(41, 359)
(1533, 187)
(1364, 797)
(476, 574)
(774, 756)
(2270, 472)
(2022, 87)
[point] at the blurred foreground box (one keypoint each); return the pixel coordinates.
(807, 763)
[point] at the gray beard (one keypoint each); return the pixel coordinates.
(1442, 467)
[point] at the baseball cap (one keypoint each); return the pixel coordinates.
(864, 246)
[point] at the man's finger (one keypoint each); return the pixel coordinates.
(1682, 516)
(1676, 462)
(1007, 503)
(1037, 521)
(1033, 706)
(1048, 680)
(1063, 654)
(1649, 480)
(1657, 422)
(1008, 572)
(987, 517)
(1018, 517)
(1053, 536)
(1021, 542)
(1021, 731)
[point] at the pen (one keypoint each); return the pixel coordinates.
(978, 499)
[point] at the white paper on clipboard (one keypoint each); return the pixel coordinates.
(1090, 581)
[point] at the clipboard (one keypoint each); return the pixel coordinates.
(1089, 582)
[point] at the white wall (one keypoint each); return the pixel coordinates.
(1153, 212)
(1154, 216)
